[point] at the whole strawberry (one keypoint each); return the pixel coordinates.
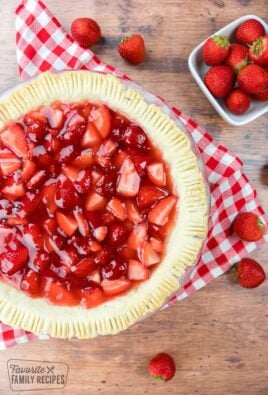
(85, 31)
(215, 50)
(132, 49)
(162, 367)
(220, 80)
(250, 274)
(258, 51)
(262, 95)
(237, 101)
(248, 227)
(237, 57)
(252, 79)
(249, 31)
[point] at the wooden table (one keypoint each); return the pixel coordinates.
(218, 336)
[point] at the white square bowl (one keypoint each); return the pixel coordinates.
(198, 70)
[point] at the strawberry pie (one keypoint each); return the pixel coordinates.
(102, 206)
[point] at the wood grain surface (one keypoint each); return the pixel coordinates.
(218, 336)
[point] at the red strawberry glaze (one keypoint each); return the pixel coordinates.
(81, 205)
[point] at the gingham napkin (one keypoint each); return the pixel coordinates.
(42, 45)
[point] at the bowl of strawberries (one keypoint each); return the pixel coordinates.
(231, 69)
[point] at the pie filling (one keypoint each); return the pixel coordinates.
(86, 204)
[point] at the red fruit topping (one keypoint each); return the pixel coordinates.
(137, 271)
(148, 195)
(162, 367)
(94, 276)
(106, 184)
(114, 269)
(57, 292)
(252, 79)
(71, 172)
(91, 137)
(220, 80)
(132, 49)
(102, 257)
(115, 287)
(100, 233)
(160, 213)
(117, 208)
(81, 221)
(249, 31)
(133, 214)
(248, 227)
(9, 162)
(14, 138)
(237, 101)
(215, 50)
(238, 57)
(37, 180)
(41, 261)
(32, 236)
(92, 295)
(37, 126)
(30, 202)
(156, 174)
(48, 196)
(147, 255)
(140, 163)
(85, 31)
(83, 267)
(75, 129)
(129, 180)
(30, 283)
(156, 244)
(84, 160)
(12, 190)
(66, 195)
(107, 148)
(94, 201)
(117, 234)
(54, 116)
(250, 273)
(134, 137)
(67, 223)
(13, 258)
(67, 154)
(102, 120)
(138, 236)
(28, 170)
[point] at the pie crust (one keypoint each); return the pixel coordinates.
(184, 241)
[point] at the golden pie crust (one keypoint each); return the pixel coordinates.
(185, 239)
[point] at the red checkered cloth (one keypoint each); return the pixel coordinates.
(42, 45)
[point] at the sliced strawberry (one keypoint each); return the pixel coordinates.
(94, 219)
(115, 287)
(119, 158)
(13, 258)
(69, 256)
(67, 223)
(106, 185)
(50, 226)
(55, 116)
(74, 129)
(49, 246)
(52, 144)
(81, 221)
(104, 162)
(94, 246)
(100, 233)
(137, 271)
(9, 162)
(138, 236)
(14, 138)
(103, 257)
(102, 120)
(30, 283)
(107, 148)
(147, 255)
(116, 268)
(94, 276)
(66, 195)
(140, 163)
(128, 183)
(17, 221)
(36, 126)
(117, 208)
(159, 214)
(149, 194)
(12, 190)
(133, 214)
(48, 196)
(83, 267)
(92, 295)
(134, 137)
(56, 292)
(67, 154)
(94, 201)
(30, 202)
(71, 172)
(82, 244)
(37, 180)
(84, 160)
(96, 176)
(107, 218)
(28, 170)
(157, 174)
(117, 234)
(91, 137)
(157, 245)
(41, 261)
(84, 181)
(32, 236)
